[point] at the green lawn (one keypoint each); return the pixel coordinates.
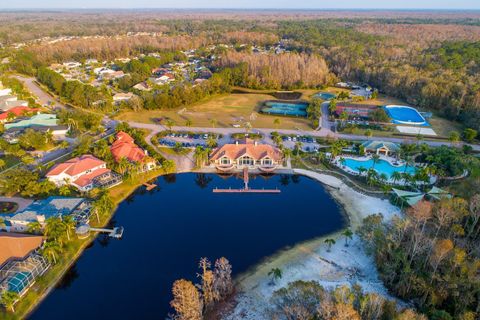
(226, 110)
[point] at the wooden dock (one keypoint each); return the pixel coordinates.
(150, 186)
(246, 189)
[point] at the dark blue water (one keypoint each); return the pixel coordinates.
(169, 229)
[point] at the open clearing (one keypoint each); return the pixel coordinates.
(226, 110)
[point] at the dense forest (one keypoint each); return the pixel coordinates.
(279, 71)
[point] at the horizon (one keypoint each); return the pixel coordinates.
(230, 9)
(458, 5)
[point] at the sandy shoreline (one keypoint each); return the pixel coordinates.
(311, 261)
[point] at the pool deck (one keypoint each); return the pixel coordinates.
(390, 160)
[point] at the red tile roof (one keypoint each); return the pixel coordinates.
(86, 179)
(125, 147)
(17, 111)
(76, 166)
(17, 246)
(256, 151)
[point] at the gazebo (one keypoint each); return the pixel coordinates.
(380, 147)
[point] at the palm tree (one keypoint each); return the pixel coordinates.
(169, 123)
(330, 242)
(55, 230)
(298, 147)
(396, 175)
(188, 123)
(348, 234)
(407, 177)
(201, 156)
(70, 225)
(168, 166)
(276, 122)
(50, 251)
(362, 170)
(211, 142)
(34, 227)
(375, 159)
(9, 298)
(372, 177)
(247, 126)
(383, 177)
(122, 166)
(213, 122)
(276, 274)
(64, 190)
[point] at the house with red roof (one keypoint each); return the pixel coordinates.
(84, 173)
(247, 154)
(15, 112)
(125, 147)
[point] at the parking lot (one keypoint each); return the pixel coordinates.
(309, 144)
(190, 140)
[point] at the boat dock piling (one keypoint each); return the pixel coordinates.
(246, 188)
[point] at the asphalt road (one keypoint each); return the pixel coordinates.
(267, 132)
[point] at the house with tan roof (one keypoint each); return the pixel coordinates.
(84, 173)
(20, 264)
(246, 154)
(125, 147)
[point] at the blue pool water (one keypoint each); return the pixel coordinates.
(168, 229)
(381, 166)
(325, 95)
(405, 115)
(298, 109)
(19, 282)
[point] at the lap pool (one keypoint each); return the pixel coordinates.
(405, 115)
(295, 109)
(382, 166)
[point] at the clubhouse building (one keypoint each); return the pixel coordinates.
(246, 154)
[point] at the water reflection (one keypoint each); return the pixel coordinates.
(168, 229)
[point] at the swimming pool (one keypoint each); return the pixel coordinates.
(405, 115)
(382, 166)
(296, 109)
(325, 95)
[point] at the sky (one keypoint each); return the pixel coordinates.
(245, 4)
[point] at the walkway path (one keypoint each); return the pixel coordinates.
(345, 179)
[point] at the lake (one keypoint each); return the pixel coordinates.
(168, 229)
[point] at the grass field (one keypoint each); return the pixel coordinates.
(226, 110)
